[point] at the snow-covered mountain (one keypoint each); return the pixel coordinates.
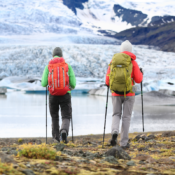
(118, 15)
(29, 16)
(80, 16)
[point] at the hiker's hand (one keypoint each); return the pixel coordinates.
(141, 70)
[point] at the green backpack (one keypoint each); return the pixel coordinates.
(120, 74)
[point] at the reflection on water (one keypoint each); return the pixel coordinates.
(3, 96)
(23, 115)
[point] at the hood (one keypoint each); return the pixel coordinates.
(133, 57)
(56, 60)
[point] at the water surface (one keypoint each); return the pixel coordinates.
(24, 115)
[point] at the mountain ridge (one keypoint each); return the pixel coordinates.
(161, 36)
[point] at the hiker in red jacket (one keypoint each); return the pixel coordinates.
(126, 99)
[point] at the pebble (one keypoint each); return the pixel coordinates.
(28, 165)
(130, 163)
(38, 142)
(28, 172)
(111, 159)
(2, 143)
(15, 165)
(142, 162)
(59, 147)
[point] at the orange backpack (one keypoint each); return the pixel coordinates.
(58, 78)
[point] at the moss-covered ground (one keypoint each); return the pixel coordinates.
(86, 156)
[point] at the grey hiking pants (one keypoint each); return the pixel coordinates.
(128, 104)
(64, 102)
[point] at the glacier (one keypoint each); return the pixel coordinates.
(89, 62)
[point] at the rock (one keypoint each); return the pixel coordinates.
(38, 142)
(59, 147)
(92, 156)
(172, 157)
(81, 152)
(152, 141)
(130, 163)
(165, 161)
(144, 157)
(12, 152)
(2, 143)
(168, 134)
(143, 149)
(28, 165)
(143, 137)
(70, 153)
(150, 137)
(15, 166)
(111, 159)
(155, 151)
(83, 161)
(58, 158)
(137, 137)
(118, 152)
(6, 158)
(5, 149)
(142, 162)
(28, 172)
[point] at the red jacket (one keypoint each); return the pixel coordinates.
(136, 74)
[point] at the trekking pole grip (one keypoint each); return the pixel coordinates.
(141, 70)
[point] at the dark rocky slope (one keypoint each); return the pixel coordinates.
(162, 36)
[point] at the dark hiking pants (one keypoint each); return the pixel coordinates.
(63, 102)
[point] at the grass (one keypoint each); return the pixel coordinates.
(42, 151)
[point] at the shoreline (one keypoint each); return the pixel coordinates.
(91, 135)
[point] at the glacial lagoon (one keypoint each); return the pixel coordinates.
(24, 115)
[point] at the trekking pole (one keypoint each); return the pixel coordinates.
(105, 115)
(46, 114)
(72, 130)
(142, 102)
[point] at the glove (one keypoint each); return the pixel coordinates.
(141, 70)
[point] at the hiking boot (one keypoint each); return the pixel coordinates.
(126, 147)
(63, 136)
(114, 139)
